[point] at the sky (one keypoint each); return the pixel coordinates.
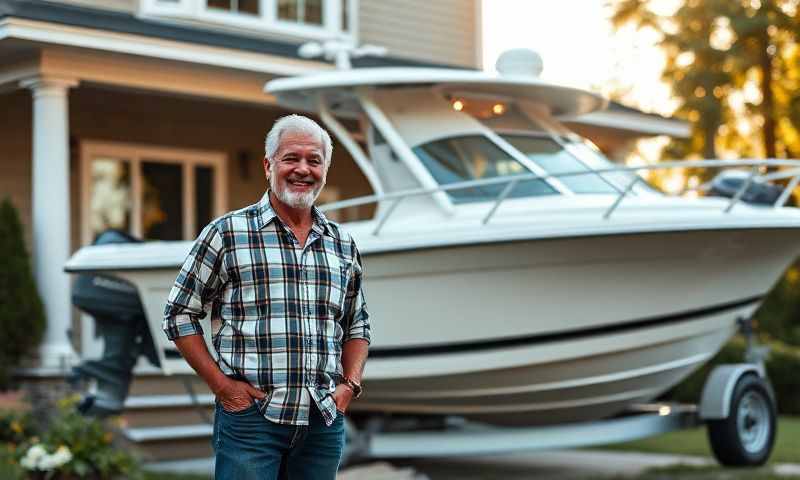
(579, 47)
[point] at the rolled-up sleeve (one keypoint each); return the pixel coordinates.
(356, 317)
(198, 281)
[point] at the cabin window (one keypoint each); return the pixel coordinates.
(153, 193)
(461, 159)
(553, 158)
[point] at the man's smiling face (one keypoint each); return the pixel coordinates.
(297, 172)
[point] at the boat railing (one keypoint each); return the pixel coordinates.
(510, 182)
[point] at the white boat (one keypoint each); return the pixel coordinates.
(513, 274)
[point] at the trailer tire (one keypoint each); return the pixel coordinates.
(746, 437)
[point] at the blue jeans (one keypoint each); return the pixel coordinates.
(248, 446)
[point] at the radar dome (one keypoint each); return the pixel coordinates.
(520, 61)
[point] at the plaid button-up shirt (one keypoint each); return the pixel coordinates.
(280, 311)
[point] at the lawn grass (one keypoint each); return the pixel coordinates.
(695, 442)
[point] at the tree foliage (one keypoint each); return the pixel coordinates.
(734, 67)
(22, 319)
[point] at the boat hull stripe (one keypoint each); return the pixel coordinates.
(393, 352)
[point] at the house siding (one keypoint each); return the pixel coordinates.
(442, 31)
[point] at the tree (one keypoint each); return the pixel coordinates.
(22, 319)
(734, 66)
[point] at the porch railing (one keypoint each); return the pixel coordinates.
(791, 172)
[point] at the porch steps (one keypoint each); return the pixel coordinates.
(160, 423)
(163, 422)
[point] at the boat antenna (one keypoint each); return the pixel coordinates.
(340, 51)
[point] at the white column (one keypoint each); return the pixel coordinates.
(51, 213)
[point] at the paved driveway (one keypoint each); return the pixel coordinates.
(561, 465)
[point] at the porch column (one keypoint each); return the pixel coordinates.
(51, 213)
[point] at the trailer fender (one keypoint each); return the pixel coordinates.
(715, 402)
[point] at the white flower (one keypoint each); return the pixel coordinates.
(37, 458)
(33, 456)
(27, 463)
(62, 456)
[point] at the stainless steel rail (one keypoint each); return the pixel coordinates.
(793, 173)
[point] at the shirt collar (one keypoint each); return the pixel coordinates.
(266, 214)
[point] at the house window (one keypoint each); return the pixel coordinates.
(150, 192)
(301, 11)
(300, 19)
(249, 7)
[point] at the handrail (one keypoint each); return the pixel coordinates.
(513, 180)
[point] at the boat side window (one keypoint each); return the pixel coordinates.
(475, 157)
(553, 158)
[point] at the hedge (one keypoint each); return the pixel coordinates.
(783, 370)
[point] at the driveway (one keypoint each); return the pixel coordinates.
(567, 464)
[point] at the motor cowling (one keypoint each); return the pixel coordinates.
(728, 183)
(120, 322)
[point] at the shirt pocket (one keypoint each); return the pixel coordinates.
(337, 288)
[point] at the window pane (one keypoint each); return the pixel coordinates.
(238, 6)
(301, 11)
(221, 4)
(313, 12)
(554, 159)
(345, 15)
(203, 197)
(110, 203)
(460, 159)
(162, 201)
(248, 6)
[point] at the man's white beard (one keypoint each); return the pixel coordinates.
(293, 199)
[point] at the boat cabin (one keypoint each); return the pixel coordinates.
(456, 138)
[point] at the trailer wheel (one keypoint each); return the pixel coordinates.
(746, 436)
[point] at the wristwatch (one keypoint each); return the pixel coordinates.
(353, 386)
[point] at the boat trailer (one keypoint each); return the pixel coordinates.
(737, 407)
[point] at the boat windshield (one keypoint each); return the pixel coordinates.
(554, 148)
(554, 158)
(475, 157)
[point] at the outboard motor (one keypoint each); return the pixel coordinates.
(727, 183)
(120, 321)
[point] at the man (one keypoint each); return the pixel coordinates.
(290, 326)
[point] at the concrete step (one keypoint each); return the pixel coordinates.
(171, 443)
(167, 410)
(158, 384)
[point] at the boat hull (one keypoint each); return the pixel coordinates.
(543, 331)
(559, 330)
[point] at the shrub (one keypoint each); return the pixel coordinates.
(783, 365)
(779, 315)
(15, 427)
(22, 319)
(74, 446)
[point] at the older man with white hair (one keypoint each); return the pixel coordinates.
(290, 325)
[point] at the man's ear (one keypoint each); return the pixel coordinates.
(266, 167)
